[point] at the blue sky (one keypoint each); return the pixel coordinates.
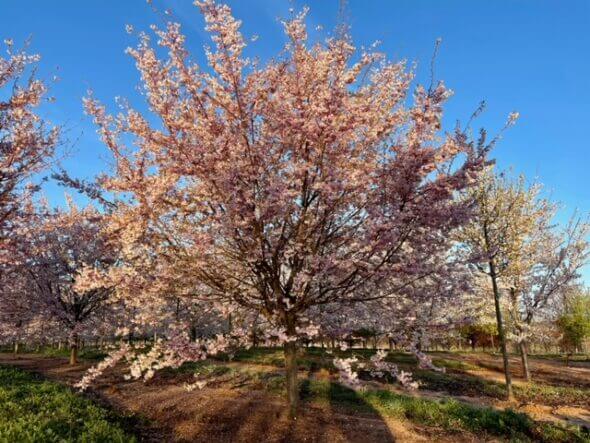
(530, 56)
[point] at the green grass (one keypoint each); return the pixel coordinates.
(89, 353)
(450, 415)
(552, 395)
(455, 365)
(35, 410)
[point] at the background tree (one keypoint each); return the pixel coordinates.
(507, 214)
(26, 142)
(56, 248)
(574, 323)
(551, 266)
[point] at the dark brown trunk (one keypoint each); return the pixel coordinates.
(290, 349)
(525, 360)
(291, 369)
(501, 335)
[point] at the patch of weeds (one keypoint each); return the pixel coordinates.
(87, 353)
(458, 384)
(552, 395)
(452, 415)
(262, 356)
(32, 409)
(456, 365)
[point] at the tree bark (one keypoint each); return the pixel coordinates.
(74, 350)
(291, 368)
(525, 360)
(501, 335)
(290, 349)
(16, 347)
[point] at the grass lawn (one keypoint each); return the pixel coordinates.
(36, 410)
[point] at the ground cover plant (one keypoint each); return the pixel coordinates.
(34, 410)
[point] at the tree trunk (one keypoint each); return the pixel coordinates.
(16, 347)
(525, 360)
(291, 368)
(73, 355)
(501, 335)
(74, 350)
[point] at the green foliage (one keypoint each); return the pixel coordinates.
(479, 334)
(574, 324)
(34, 410)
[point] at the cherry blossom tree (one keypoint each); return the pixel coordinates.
(56, 247)
(282, 187)
(506, 216)
(513, 240)
(551, 266)
(27, 143)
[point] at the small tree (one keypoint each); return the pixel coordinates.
(523, 252)
(574, 324)
(506, 215)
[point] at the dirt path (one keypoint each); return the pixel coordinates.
(227, 415)
(542, 370)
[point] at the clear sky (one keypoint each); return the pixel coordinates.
(530, 56)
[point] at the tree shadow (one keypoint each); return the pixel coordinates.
(356, 419)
